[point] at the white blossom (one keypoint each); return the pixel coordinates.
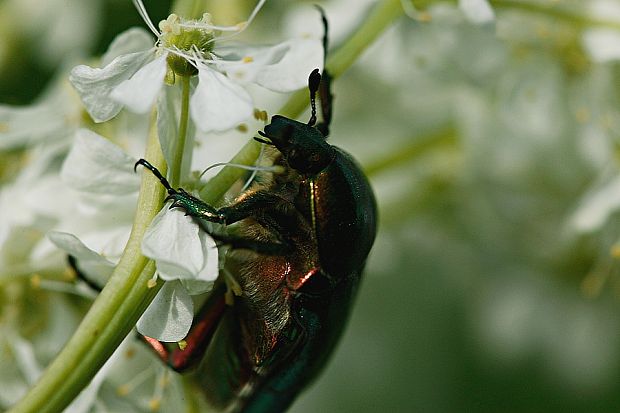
(134, 78)
(603, 44)
(477, 11)
(185, 255)
(597, 205)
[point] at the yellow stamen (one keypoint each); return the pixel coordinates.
(123, 390)
(35, 281)
(69, 274)
(424, 17)
(154, 404)
(260, 115)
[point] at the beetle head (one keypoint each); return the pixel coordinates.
(302, 145)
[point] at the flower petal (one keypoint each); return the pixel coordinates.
(133, 40)
(597, 206)
(603, 45)
(95, 85)
(96, 165)
(169, 317)
(282, 68)
(210, 269)
(172, 241)
(218, 104)
(94, 265)
(196, 287)
(21, 126)
(25, 357)
(86, 400)
(477, 11)
(139, 92)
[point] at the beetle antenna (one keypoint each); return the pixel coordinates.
(314, 80)
(325, 31)
(157, 174)
(273, 168)
(324, 91)
(261, 140)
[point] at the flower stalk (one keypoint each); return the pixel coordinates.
(552, 10)
(175, 168)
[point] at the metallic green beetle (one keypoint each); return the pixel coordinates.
(298, 247)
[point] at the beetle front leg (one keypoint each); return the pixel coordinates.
(195, 207)
(249, 205)
(183, 199)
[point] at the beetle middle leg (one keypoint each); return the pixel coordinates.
(261, 247)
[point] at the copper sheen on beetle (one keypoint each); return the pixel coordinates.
(297, 250)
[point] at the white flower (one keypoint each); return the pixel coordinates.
(597, 205)
(50, 35)
(33, 203)
(180, 248)
(477, 11)
(603, 44)
(135, 77)
(184, 254)
(186, 257)
(53, 116)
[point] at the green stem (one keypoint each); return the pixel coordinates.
(383, 15)
(552, 10)
(418, 147)
(177, 162)
(549, 9)
(112, 315)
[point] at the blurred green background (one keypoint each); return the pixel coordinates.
(494, 284)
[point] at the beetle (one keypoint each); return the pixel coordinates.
(298, 244)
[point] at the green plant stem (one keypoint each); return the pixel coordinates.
(383, 15)
(553, 10)
(419, 146)
(112, 315)
(549, 9)
(175, 168)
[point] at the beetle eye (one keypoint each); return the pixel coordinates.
(316, 284)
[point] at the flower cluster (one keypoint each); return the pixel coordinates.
(136, 74)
